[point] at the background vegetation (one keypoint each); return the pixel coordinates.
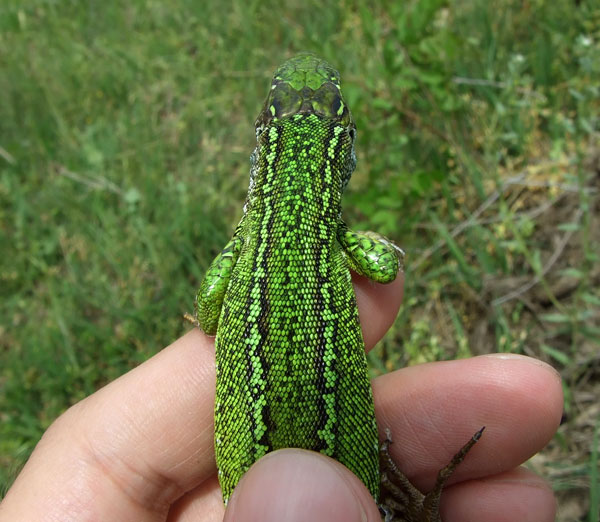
(125, 133)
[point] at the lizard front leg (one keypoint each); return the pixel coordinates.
(211, 293)
(370, 254)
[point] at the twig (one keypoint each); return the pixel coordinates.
(7, 156)
(492, 198)
(95, 183)
(479, 81)
(553, 258)
(482, 82)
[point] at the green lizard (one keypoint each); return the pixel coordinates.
(291, 366)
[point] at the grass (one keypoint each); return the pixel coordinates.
(125, 132)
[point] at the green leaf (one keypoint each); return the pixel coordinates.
(557, 355)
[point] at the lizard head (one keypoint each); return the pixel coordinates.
(305, 84)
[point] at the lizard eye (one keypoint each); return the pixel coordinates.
(284, 101)
(337, 105)
(328, 102)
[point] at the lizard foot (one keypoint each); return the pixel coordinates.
(191, 319)
(400, 500)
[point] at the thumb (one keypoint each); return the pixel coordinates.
(298, 485)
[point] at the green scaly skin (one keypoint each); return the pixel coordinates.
(291, 366)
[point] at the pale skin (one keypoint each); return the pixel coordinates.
(141, 448)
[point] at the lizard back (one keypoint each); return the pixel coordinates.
(291, 366)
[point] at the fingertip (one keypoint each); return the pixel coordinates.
(514, 495)
(297, 485)
(378, 305)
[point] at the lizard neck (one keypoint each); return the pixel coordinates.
(299, 170)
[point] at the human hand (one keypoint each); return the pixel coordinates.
(141, 448)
